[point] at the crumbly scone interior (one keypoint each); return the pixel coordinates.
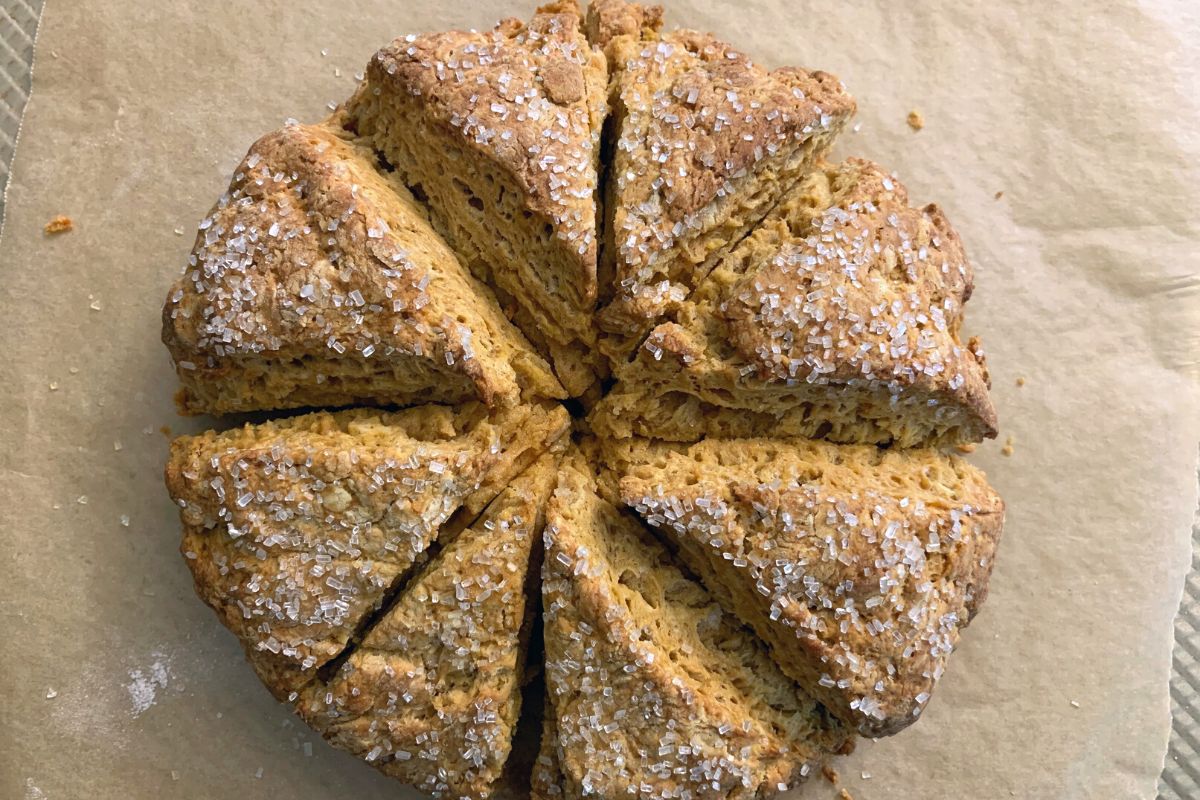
(858, 566)
(499, 133)
(629, 635)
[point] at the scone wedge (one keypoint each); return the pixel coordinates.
(839, 317)
(858, 566)
(432, 694)
(705, 143)
(317, 280)
(297, 530)
(500, 131)
(652, 685)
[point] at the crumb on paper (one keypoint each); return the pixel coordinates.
(117, 446)
(73, 370)
(1021, 380)
(1008, 447)
(60, 224)
(174, 775)
(915, 120)
(866, 776)
(179, 231)
(999, 194)
(829, 773)
(1074, 704)
(259, 773)
(51, 693)
(845, 795)
(144, 683)
(857, 127)
(967, 447)
(125, 520)
(54, 386)
(165, 430)
(82, 499)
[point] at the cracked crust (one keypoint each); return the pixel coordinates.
(838, 317)
(296, 530)
(706, 143)
(317, 280)
(858, 566)
(500, 130)
(652, 685)
(431, 696)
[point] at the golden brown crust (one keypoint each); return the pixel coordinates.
(431, 696)
(706, 142)
(317, 280)
(435, 241)
(501, 130)
(609, 19)
(838, 317)
(651, 684)
(858, 566)
(295, 530)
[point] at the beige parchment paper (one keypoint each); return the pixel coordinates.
(118, 683)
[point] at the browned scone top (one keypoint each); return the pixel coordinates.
(839, 317)
(501, 131)
(295, 530)
(317, 280)
(858, 566)
(652, 685)
(609, 19)
(432, 694)
(706, 141)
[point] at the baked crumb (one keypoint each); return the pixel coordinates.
(845, 795)
(998, 195)
(968, 447)
(165, 430)
(1008, 447)
(60, 224)
(830, 774)
(915, 120)
(1021, 381)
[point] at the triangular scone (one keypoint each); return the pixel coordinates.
(317, 280)
(706, 143)
(858, 566)
(432, 694)
(652, 685)
(500, 131)
(296, 530)
(838, 318)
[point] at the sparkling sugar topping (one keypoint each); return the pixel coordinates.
(871, 290)
(299, 254)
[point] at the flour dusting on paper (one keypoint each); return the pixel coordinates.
(146, 681)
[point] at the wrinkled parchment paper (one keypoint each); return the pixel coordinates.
(117, 682)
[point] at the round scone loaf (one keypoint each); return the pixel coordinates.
(615, 459)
